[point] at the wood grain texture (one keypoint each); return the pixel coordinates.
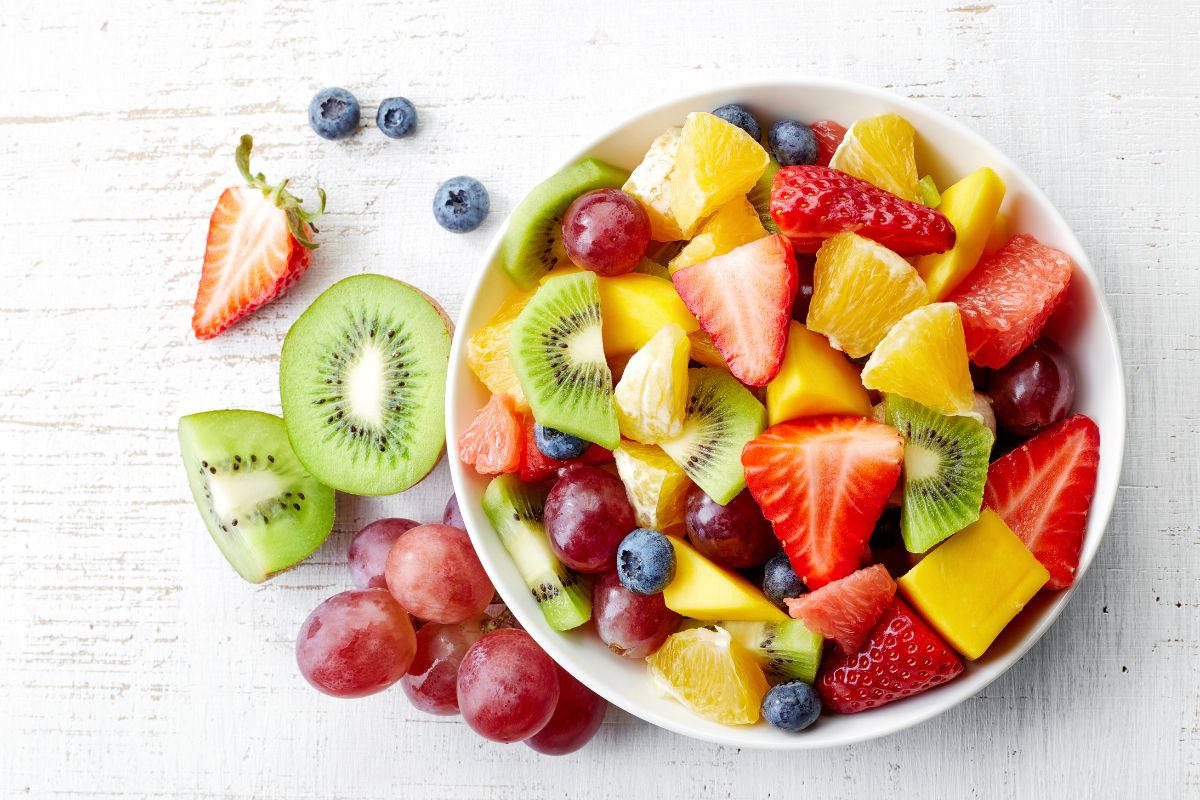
(133, 662)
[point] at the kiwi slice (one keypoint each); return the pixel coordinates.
(760, 196)
(721, 417)
(363, 383)
(557, 350)
(532, 245)
(945, 468)
(515, 510)
(786, 649)
(263, 509)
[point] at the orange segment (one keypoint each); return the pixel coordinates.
(924, 358)
(714, 163)
(487, 352)
(880, 150)
(711, 673)
(656, 486)
(650, 186)
(732, 225)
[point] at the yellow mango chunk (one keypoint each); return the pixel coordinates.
(814, 379)
(703, 590)
(656, 486)
(973, 585)
(704, 351)
(715, 162)
(650, 186)
(732, 225)
(971, 206)
(999, 235)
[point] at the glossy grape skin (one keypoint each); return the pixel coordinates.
(507, 686)
(368, 553)
(452, 515)
(606, 231)
(632, 625)
(736, 535)
(434, 573)
(576, 718)
(355, 643)
(432, 679)
(1034, 390)
(587, 515)
(805, 266)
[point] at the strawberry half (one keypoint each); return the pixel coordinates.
(743, 300)
(902, 657)
(259, 244)
(1043, 490)
(812, 203)
(847, 609)
(823, 482)
(537, 466)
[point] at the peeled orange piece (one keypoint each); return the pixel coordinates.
(924, 358)
(732, 225)
(880, 150)
(651, 397)
(487, 352)
(715, 162)
(707, 670)
(650, 186)
(655, 485)
(861, 289)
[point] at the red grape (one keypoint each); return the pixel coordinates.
(452, 516)
(1034, 390)
(369, 551)
(507, 686)
(576, 718)
(735, 535)
(432, 680)
(606, 231)
(632, 625)
(587, 514)
(355, 643)
(805, 265)
(434, 573)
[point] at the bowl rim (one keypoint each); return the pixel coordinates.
(1103, 500)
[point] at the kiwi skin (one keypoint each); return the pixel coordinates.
(380, 450)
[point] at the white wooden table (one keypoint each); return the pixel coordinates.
(134, 662)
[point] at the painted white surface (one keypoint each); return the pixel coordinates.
(134, 662)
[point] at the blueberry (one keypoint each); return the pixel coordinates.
(558, 445)
(645, 561)
(461, 204)
(791, 706)
(396, 117)
(333, 113)
(780, 580)
(792, 143)
(738, 115)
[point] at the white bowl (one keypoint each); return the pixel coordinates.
(1083, 327)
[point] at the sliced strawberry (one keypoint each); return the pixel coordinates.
(537, 466)
(848, 608)
(743, 300)
(493, 442)
(1043, 490)
(902, 657)
(812, 203)
(259, 244)
(823, 482)
(829, 135)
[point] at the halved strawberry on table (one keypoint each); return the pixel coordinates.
(743, 300)
(1043, 491)
(823, 482)
(813, 203)
(259, 244)
(847, 609)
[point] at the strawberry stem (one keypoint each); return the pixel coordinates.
(299, 221)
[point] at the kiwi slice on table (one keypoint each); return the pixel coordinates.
(262, 507)
(945, 468)
(515, 510)
(786, 649)
(533, 245)
(721, 417)
(363, 383)
(557, 350)
(760, 196)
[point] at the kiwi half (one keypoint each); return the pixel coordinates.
(262, 508)
(556, 347)
(362, 380)
(515, 510)
(533, 245)
(721, 417)
(945, 468)
(760, 196)
(787, 649)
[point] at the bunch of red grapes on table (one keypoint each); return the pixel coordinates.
(463, 655)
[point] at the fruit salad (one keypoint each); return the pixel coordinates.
(777, 412)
